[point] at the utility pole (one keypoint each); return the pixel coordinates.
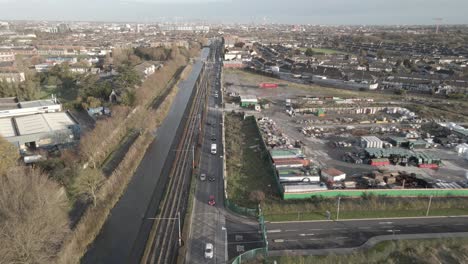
(429, 205)
(193, 157)
(338, 209)
(180, 235)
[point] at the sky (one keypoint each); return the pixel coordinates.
(330, 12)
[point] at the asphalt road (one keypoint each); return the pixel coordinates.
(354, 233)
(208, 222)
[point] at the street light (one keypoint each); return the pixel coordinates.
(429, 205)
(171, 218)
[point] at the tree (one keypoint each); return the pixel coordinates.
(34, 217)
(309, 52)
(9, 155)
(257, 196)
(87, 184)
(129, 98)
(127, 77)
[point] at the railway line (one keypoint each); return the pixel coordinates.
(163, 240)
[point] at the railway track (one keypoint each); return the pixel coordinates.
(163, 240)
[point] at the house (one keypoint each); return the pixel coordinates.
(332, 175)
(145, 69)
(7, 55)
(12, 77)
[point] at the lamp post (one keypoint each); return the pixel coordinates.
(338, 209)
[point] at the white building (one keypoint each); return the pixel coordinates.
(462, 149)
(371, 142)
(332, 175)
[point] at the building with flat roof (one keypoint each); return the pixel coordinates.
(40, 130)
(248, 100)
(10, 106)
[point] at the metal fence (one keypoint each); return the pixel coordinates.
(254, 254)
(240, 210)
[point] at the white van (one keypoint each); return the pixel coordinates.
(213, 148)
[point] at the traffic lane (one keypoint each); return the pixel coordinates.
(320, 235)
(367, 223)
(242, 237)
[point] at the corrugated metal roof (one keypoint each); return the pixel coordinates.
(32, 124)
(58, 121)
(6, 128)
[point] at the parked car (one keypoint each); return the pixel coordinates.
(203, 177)
(211, 178)
(209, 251)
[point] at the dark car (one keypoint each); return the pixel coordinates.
(211, 178)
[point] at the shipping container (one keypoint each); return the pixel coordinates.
(268, 85)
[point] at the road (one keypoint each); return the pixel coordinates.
(354, 233)
(208, 222)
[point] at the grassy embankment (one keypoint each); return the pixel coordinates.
(404, 251)
(94, 218)
(247, 171)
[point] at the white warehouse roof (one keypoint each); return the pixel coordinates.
(33, 124)
(6, 128)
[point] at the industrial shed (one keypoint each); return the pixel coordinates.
(41, 130)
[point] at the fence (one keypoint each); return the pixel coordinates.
(254, 254)
(239, 209)
(386, 192)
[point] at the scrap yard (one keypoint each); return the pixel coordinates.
(340, 143)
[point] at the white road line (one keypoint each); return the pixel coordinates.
(306, 234)
(458, 224)
(291, 230)
(364, 227)
(315, 229)
(341, 237)
(340, 228)
(385, 223)
(274, 231)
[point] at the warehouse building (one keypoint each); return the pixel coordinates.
(11, 106)
(40, 131)
(371, 142)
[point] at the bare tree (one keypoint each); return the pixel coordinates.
(88, 182)
(33, 217)
(9, 155)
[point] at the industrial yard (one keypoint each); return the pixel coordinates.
(329, 142)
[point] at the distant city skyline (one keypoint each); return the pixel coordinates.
(331, 12)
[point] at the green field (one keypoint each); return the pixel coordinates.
(453, 250)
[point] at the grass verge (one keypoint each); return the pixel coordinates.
(358, 208)
(454, 250)
(247, 170)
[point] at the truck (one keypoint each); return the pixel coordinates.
(213, 149)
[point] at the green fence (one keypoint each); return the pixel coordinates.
(254, 254)
(240, 210)
(385, 192)
(266, 156)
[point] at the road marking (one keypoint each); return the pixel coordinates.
(393, 231)
(274, 231)
(387, 226)
(341, 237)
(313, 239)
(340, 228)
(278, 240)
(458, 224)
(385, 223)
(315, 229)
(306, 234)
(364, 227)
(291, 230)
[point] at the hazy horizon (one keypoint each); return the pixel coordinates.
(331, 12)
